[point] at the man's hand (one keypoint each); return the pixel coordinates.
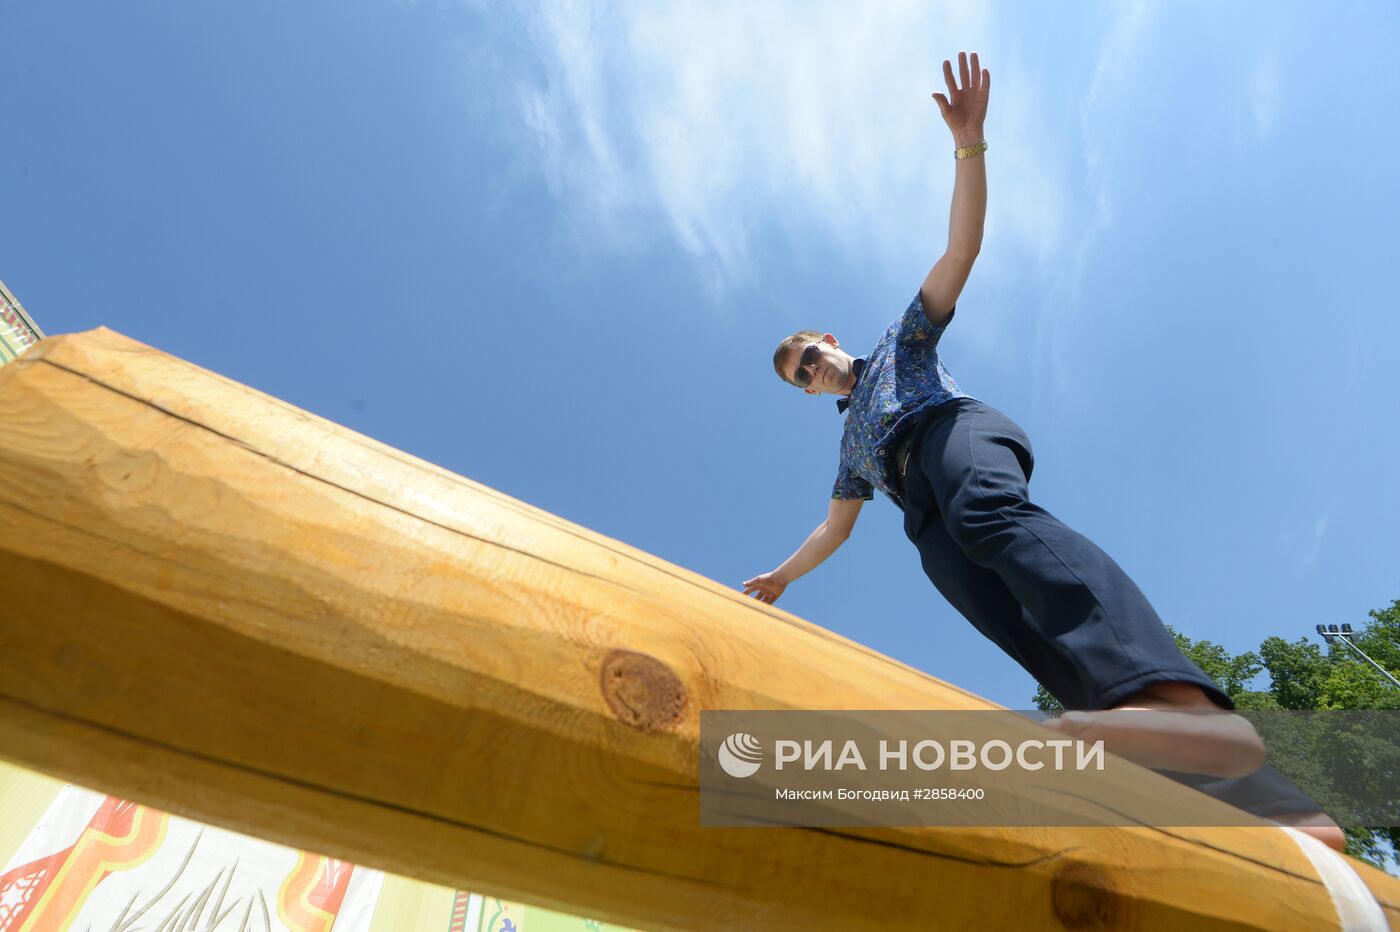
(965, 109)
(765, 587)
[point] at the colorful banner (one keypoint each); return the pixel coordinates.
(98, 862)
(17, 329)
(77, 859)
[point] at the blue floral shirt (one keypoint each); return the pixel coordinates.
(902, 376)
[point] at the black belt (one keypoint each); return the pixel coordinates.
(899, 456)
(904, 446)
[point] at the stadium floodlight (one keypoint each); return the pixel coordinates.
(1330, 633)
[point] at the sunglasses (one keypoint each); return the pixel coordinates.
(810, 356)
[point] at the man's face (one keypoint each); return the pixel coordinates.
(827, 369)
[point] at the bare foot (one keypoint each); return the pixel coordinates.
(1212, 742)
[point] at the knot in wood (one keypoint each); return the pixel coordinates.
(642, 691)
(1084, 897)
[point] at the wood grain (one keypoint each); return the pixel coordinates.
(221, 605)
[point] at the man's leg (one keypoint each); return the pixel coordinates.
(1083, 666)
(1083, 611)
(1092, 624)
(979, 595)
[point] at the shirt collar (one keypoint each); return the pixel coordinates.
(857, 366)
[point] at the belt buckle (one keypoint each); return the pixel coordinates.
(903, 451)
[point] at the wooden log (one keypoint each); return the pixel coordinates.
(221, 605)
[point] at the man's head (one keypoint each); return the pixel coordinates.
(815, 363)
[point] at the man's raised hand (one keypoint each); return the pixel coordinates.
(965, 108)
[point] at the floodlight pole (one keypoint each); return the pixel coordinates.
(1345, 638)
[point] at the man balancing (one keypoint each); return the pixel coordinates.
(959, 470)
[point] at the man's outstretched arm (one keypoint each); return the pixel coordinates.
(965, 111)
(821, 543)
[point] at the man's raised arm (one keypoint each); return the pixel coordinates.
(965, 111)
(821, 543)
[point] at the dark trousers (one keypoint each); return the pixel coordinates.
(1044, 593)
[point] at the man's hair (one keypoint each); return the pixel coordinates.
(800, 339)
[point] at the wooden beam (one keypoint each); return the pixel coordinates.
(221, 605)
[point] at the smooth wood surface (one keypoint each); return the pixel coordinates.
(221, 605)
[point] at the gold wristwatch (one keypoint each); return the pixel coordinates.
(969, 151)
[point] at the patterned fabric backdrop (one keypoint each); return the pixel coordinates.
(76, 859)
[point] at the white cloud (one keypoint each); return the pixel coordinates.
(1104, 112)
(1264, 92)
(1319, 530)
(708, 121)
(1307, 546)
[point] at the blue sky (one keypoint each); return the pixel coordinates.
(551, 247)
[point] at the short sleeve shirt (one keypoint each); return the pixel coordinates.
(902, 376)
